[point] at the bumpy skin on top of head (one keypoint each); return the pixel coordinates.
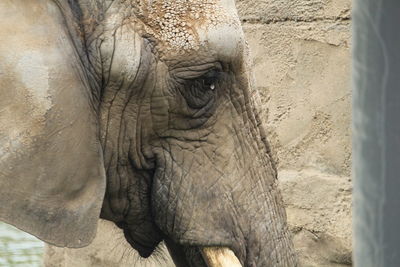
(167, 113)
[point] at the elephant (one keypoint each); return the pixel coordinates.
(143, 113)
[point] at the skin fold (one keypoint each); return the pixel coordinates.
(147, 119)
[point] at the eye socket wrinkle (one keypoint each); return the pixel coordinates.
(192, 72)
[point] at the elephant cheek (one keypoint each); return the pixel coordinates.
(232, 202)
(188, 207)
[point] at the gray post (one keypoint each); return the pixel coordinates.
(376, 132)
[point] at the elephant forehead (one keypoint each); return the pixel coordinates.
(188, 25)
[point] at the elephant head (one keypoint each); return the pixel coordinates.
(141, 112)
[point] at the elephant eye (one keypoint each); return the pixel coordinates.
(200, 91)
(210, 79)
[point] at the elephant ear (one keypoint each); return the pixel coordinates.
(52, 179)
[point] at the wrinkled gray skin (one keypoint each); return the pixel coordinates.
(99, 113)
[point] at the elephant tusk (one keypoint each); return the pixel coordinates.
(220, 257)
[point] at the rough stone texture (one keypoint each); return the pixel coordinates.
(301, 60)
(302, 67)
(294, 10)
(318, 207)
(302, 70)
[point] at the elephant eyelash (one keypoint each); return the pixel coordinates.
(207, 79)
(210, 79)
(205, 83)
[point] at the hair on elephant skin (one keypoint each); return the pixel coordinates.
(140, 112)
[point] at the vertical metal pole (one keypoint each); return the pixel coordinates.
(376, 132)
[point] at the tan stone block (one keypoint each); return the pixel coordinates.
(293, 10)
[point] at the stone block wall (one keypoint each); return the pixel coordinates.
(301, 59)
(302, 69)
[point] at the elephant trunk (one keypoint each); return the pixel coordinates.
(227, 198)
(264, 236)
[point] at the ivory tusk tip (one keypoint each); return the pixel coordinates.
(220, 257)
